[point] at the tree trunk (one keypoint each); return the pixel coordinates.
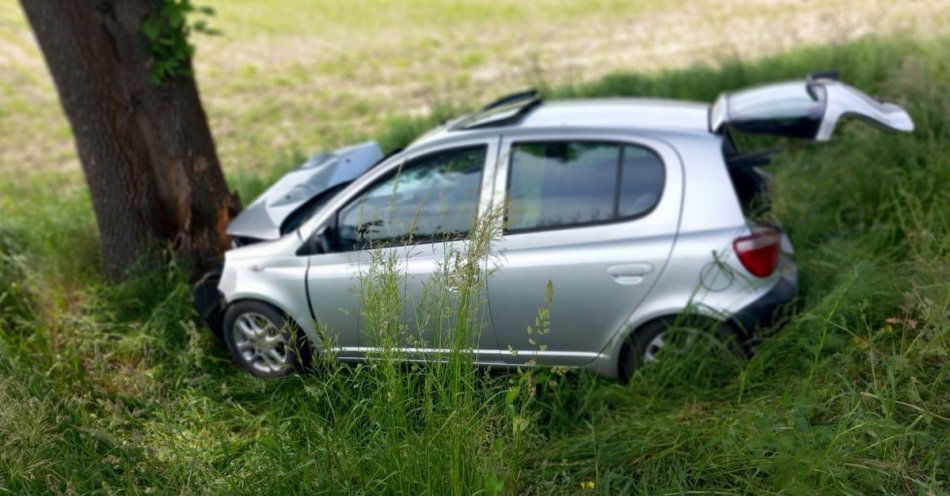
(146, 149)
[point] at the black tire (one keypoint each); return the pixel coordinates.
(284, 337)
(633, 353)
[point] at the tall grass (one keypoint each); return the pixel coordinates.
(118, 390)
(427, 428)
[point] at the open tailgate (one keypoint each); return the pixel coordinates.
(808, 109)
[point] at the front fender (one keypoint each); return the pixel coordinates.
(278, 280)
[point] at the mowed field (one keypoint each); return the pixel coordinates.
(117, 389)
(295, 76)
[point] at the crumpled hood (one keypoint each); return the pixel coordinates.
(262, 218)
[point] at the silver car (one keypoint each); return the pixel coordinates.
(638, 212)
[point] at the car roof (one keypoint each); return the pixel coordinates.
(641, 114)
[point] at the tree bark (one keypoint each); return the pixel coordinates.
(146, 148)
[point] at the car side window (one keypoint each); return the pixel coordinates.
(556, 184)
(433, 197)
(641, 181)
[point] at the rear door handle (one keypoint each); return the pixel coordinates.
(632, 273)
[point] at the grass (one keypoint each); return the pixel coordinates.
(117, 390)
(304, 75)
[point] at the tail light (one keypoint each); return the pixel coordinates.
(759, 251)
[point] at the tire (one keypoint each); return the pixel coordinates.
(263, 341)
(642, 346)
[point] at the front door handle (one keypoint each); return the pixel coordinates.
(632, 273)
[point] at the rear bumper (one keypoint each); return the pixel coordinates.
(209, 302)
(771, 309)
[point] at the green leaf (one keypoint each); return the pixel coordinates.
(493, 485)
(167, 34)
(512, 395)
(151, 29)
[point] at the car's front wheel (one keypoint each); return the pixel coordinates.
(263, 341)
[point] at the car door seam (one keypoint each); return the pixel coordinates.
(669, 254)
(306, 288)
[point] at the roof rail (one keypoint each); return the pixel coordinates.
(529, 94)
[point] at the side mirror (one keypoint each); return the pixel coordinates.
(321, 241)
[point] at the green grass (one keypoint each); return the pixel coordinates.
(118, 390)
(305, 75)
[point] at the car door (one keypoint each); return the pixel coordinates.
(590, 220)
(413, 213)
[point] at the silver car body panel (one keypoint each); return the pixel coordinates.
(845, 101)
(269, 271)
(262, 219)
(608, 279)
(821, 102)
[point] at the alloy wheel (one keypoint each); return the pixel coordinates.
(663, 340)
(261, 343)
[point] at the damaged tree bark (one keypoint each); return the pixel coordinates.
(145, 146)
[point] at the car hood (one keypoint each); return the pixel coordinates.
(263, 218)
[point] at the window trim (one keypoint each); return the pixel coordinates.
(617, 220)
(335, 217)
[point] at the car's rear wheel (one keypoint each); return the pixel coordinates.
(263, 341)
(671, 336)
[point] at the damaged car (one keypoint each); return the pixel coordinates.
(638, 211)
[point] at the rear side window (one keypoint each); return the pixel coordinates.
(557, 184)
